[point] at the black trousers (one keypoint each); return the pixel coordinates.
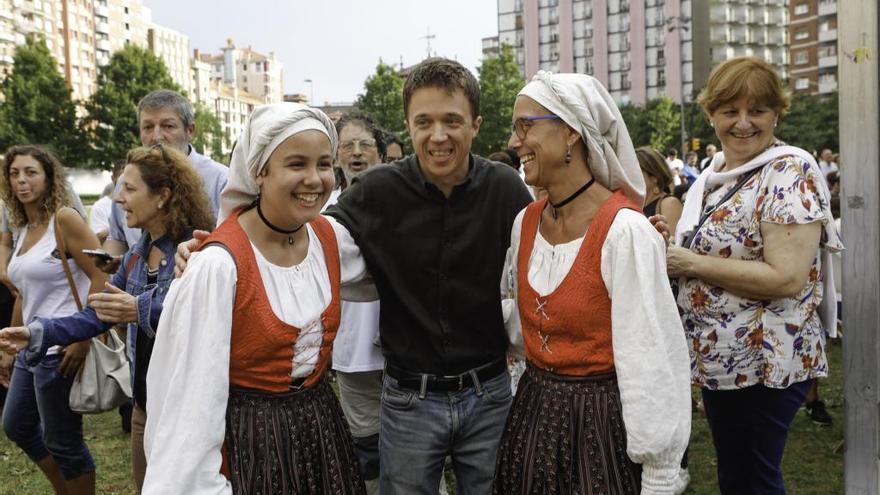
(749, 427)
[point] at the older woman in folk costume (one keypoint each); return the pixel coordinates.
(604, 406)
(238, 371)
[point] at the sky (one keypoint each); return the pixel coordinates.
(335, 43)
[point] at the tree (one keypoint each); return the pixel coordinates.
(811, 123)
(662, 118)
(38, 108)
(383, 99)
(500, 81)
(636, 124)
(209, 133)
(112, 111)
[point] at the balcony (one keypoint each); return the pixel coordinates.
(103, 45)
(829, 35)
(827, 7)
(828, 61)
(827, 85)
(102, 27)
(102, 10)
(7, 37)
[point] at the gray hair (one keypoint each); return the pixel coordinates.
(166, 98)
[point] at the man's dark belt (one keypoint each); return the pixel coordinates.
(446, 383)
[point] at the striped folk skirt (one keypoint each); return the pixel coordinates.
(290, 443)
(565, 435)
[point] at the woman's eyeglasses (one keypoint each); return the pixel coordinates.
(521, 126)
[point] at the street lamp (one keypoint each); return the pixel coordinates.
(311, 92)
(680, 23)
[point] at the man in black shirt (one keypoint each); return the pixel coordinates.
(434, 231)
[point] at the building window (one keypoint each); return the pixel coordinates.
(801, 58)
(661, 77)
(801, 34)
(801, 9)
(802, 83)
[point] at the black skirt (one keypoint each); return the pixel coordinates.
(290, 443)
(565, 435)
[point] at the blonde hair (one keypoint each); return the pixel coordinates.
(57, 193)
(744, 77)
(188, 207)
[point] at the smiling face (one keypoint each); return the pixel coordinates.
(297, 179)
(745, 129)
(544, 145)
(28, 180)
(142, 207)
(357, 150)
(442, 131)
(164, 125)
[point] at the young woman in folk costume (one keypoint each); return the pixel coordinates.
(239, 401)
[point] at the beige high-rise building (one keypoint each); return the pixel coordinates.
(173, 48)
(80, 34)
(230, 104)
(118, 23)
(258, 74)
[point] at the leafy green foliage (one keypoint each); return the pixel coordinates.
(112, 111)
(383, 99)
(500, 81)
(38, 108)
(811, 123)
(209, 136)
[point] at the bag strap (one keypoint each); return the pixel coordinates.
(62, 253)
(707, 212)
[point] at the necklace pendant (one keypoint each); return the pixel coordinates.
(290, 240)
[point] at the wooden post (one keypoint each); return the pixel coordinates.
(859, 81)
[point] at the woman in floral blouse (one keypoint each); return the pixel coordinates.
(751, 257)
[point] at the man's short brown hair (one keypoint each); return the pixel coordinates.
(445, 74)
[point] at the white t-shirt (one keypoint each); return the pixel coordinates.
(99, 218)
(39, 276)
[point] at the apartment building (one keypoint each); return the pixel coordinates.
(80, 34)
(813, 53)
(173, 48)
(257, 74)
(642, 49)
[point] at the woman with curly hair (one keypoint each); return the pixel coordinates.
(37, 416)
(163, 195)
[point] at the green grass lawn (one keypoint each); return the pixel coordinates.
(812, 465)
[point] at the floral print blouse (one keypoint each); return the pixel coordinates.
(738, 342)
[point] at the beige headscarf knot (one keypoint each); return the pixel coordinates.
(267, 127)
(586, 106)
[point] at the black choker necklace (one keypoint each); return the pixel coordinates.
(556, 206)
(276, 229)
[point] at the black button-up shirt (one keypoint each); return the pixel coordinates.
(436, 261)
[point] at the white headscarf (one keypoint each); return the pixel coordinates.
(267, 127)
(585, 105)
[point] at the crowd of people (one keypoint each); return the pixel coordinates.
(610, 277)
